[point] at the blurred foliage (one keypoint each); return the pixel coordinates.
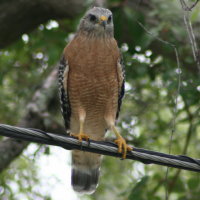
(148, 111)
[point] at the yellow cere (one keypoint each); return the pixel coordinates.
(103, 18)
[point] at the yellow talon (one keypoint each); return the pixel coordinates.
(80, 136)
(122, 146)
(120, 141)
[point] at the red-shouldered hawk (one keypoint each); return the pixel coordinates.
(91, 78)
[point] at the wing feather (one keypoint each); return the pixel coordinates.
(121, 78)
(63, 91)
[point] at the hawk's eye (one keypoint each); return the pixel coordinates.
(109, 18)
(92, 18)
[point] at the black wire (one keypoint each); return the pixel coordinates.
(10, 131)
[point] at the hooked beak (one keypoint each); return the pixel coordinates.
(103, 21)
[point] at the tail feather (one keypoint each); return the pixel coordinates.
(85, 171)
(85, 181)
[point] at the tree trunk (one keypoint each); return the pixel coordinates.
(35, 117)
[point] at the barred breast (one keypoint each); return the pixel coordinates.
(92, 82)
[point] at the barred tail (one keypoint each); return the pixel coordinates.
(85, 171)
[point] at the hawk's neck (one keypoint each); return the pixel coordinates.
(82, 45)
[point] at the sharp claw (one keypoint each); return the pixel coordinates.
(87, 138)
(129, 148)
(124, 154)
(80, 136)
(122, 147)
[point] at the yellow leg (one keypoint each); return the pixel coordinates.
(120, 141)
(81, 135)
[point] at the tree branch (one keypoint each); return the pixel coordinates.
(40, 103)
(185, 148)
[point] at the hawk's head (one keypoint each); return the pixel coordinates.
(97, 22)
